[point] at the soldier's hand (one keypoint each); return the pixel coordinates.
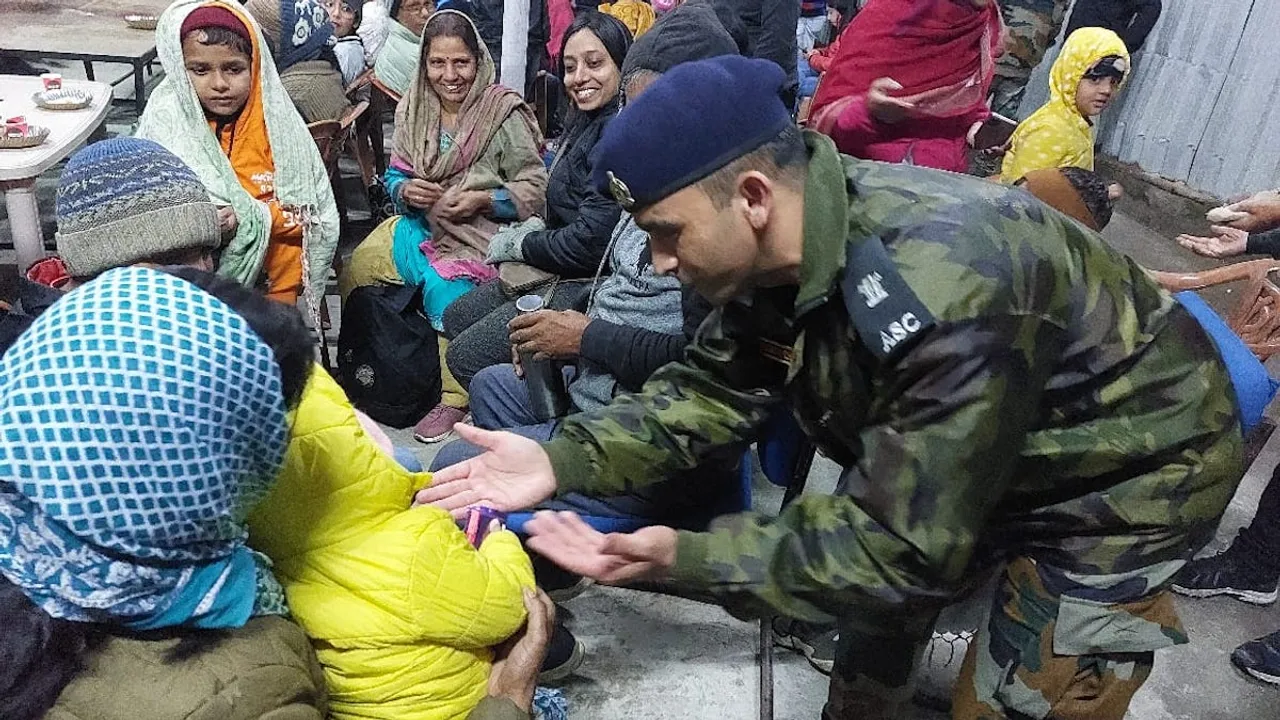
(1226, 242)
(616, 558)
(1262, 212)
(512, 474)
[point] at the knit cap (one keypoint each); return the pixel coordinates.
(214, 16)
(690, 32)
(694, 120)
(125, 200)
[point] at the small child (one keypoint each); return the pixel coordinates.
(225, 113)
(1093, 65)
(1080, 194)
(346, 16)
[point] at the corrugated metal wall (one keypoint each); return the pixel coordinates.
(1203, 106)
(1240, 150)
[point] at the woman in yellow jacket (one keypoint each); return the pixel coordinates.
(400, 608)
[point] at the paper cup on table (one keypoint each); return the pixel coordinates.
(52, 81)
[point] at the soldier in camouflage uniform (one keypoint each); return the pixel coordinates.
(997, 383)
(1031, 26)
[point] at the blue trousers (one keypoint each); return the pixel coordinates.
(500, 401)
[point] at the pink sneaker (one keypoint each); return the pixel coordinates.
(438, 423)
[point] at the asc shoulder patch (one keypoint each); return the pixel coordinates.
(883, 309)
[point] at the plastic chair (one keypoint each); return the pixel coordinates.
(786, 456)
(332, 138)
(383, 100)
(1254, 321)
(368, 136)
(1256, 316)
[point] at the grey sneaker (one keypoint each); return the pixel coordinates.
(817, 643)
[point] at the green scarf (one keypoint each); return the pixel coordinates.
(175, 119)
(397, 64)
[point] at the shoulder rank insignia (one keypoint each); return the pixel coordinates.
(883, 309)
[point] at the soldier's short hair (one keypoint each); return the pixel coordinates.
(783, 159)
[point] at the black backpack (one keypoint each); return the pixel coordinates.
(388, 357)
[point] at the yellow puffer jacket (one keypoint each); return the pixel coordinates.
(400, 608)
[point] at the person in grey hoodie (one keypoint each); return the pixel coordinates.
(636, 322)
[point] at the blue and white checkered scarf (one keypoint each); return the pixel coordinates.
(140, 420)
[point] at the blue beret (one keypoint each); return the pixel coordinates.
(691, 122)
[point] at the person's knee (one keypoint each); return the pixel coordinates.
(488, 390)
(471, 308)
(459, 356)
(454, 318)
(453, 453)
(491, 378)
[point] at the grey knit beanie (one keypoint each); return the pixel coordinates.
(689, 33)
(126, 200)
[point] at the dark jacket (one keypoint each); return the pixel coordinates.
(1132, 20)
(1264, 243)
(32, 299)
(579, 219)
(771, 28)
(487, 15)
(633, 354)
(265, 670)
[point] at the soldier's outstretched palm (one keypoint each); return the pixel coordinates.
(512, 474)
(616, 558)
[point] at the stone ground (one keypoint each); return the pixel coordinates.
(662, 657)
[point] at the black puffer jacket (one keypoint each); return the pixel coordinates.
(1132, 20)
(770, 26)
(487, 15)
(579, 219)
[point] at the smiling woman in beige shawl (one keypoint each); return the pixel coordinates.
(466, 160)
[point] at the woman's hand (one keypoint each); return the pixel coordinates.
(516, 662)
(420, 194)
(464, 205)
(883, 107)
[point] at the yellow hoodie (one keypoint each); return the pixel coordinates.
(400, 608)
(1057, 135)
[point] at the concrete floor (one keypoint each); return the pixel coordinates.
(661, 657)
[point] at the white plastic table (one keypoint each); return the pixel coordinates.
(86, 30)
(20, 168)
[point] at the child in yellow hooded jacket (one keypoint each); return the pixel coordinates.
(401, 610)
(1091, 69)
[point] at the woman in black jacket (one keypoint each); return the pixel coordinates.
(578, 220)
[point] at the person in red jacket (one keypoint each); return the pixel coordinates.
(908, 81)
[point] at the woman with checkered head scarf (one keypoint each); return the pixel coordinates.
(141, 418)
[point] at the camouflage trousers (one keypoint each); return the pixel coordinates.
(1015, 668)
(1031, 27)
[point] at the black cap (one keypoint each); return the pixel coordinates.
(1109, 66)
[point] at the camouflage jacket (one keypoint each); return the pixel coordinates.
(1006, 380)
